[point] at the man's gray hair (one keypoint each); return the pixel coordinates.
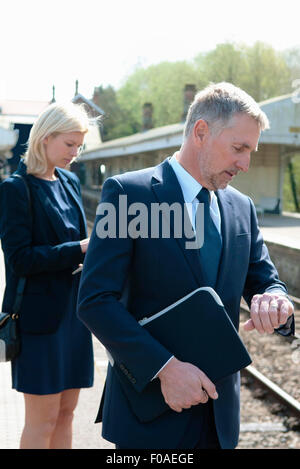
(218, 103)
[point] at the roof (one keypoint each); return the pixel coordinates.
(80, 97)
(276, 99)
(26, 111)
(22, 111)
(153, 139)
(284, 115)
(283, 131)
(8, 138)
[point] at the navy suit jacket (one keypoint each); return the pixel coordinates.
(35, 246)
(126, 279)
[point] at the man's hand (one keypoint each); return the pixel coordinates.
(184, 385)
(268, 312)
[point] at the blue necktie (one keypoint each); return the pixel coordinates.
(210, 252)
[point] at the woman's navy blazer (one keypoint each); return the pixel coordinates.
(35, 245)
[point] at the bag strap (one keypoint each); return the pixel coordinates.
(27, 190)
(22, 280)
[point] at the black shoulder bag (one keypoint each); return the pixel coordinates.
(10, 343)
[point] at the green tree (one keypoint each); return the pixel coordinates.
(116, 122)
(291, 187)
(266, 73)
(259, 69)
(292, 59)
(225, 63)
(162, 85)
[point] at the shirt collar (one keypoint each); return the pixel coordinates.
(190, 187)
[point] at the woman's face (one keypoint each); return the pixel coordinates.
(62, 148)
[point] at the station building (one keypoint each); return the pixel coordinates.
(263, 182)
(17, 118)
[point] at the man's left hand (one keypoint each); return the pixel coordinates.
(268, 311)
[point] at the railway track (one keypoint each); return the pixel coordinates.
(285, 398)
(262, 379)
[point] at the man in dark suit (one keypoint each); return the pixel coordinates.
(130, 274)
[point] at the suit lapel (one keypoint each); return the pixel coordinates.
(167, 190)
(50, 211)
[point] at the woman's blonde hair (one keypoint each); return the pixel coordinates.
(56, 119)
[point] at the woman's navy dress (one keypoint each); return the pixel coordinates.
(52, 363)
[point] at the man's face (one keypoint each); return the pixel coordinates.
(222, 156)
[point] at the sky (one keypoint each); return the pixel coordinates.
(56, 42)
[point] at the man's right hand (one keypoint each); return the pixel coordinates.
(184, 385)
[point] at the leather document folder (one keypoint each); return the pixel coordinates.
(195, 329)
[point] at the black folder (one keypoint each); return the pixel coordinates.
(195, 329)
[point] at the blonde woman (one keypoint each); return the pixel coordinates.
(45, 244)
